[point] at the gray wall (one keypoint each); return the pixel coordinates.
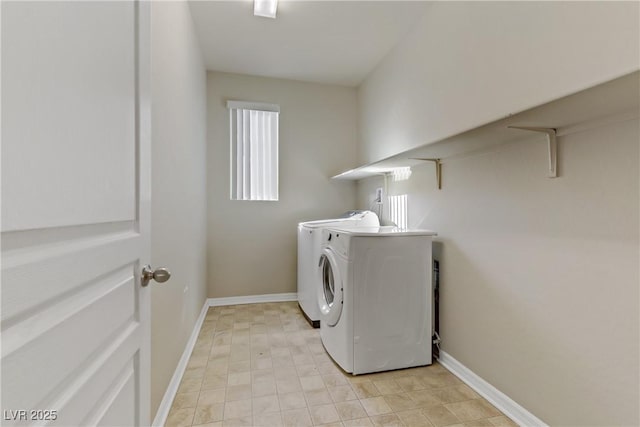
(252, 245)
(539, 277)
(178, 226)
(466, 64)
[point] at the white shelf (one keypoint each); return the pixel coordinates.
(616, 100)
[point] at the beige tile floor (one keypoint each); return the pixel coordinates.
(263, 365)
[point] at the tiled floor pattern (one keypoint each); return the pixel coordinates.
(263, 365)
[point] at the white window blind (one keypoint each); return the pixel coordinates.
(398, 211)
(254, 150)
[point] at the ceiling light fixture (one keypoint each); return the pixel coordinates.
(266, 8)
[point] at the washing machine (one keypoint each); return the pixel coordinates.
(376, 297)
(309, 241)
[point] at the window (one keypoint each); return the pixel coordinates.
(398, 211)
(254, 150)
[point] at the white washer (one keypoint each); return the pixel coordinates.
(309, 241)
(376, 298)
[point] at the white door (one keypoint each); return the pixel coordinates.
(75, 213)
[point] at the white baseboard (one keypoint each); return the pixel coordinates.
(498, 399)
(253, 299)
(172, 388)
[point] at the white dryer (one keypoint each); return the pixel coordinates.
(376, 297)
(309, 241)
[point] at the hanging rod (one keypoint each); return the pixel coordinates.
(552, 146)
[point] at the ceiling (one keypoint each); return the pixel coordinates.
(334, 42)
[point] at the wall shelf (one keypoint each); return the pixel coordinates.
(614, 101)
(438, 164)
(552, 146)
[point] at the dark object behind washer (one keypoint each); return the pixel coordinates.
(436, 306)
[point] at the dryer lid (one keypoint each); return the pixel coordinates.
(348, 219)
(381, 231)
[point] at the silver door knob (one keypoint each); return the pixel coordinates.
(160, 275)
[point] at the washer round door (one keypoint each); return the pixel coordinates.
(330, 290)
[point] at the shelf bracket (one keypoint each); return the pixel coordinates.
(438, 164)
(552, 146)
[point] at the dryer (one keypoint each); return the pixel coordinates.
(309, 241)
(376, 297)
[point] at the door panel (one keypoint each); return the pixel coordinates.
(37, 360)
(42, 274)
(68, 75)
(119, 402)
(89, 391)
(75, 219)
